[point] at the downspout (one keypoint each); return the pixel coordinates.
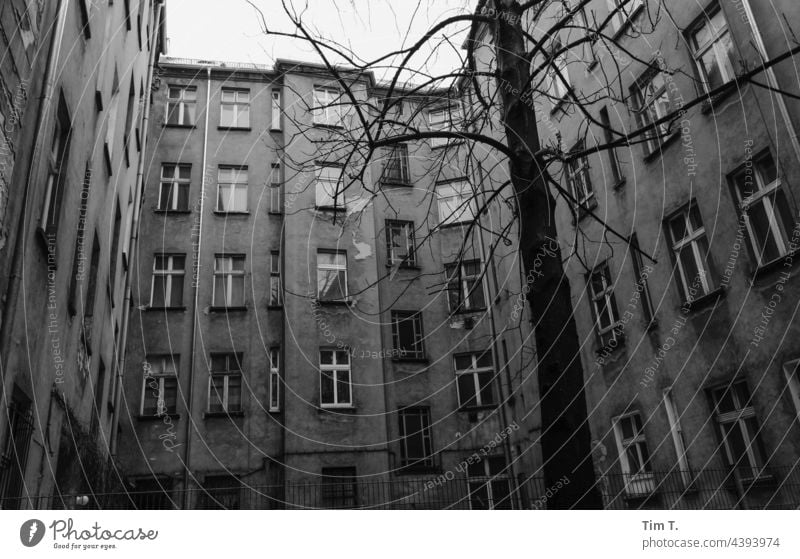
(771, 78)
(195, 305)
(15, 277)
(134, 238)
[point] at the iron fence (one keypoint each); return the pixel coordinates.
(773, 488)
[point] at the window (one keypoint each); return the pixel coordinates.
(455, 202)
(416, 448)
(330, 187)
(85, 7)
(99, 393)
(331, 276)
(690, 249)
(675, 429)
(792, 372)
(274, 379)
(396, 169)
(580, 183)
(465, 287)
(712, 48)
(232, 189)
(181, 105)
(160, 385)
(765, 209)
(641, 280)
(634, 458)
(443, 120)
(327, 107)
(625, 10)
(489, 484)
(604, 306)
(111, 126)
(168, 272)
(339, 488)
(91, 294)
(19, 431)
(613, 160)
(335, 388)
(228, 281)
(225, 383)
(275, 290)
(126, 138)
(407, 334)
(651, 104)
(58, 155)
(114, 255)
(234, 110)
(221, 492)
(275, 115)
(558, 79)
(275, 205)
(738, 428)
(173, 193)
(400, 243)
(475, 379)
(79, 254)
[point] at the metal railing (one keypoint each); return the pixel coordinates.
(772, 488)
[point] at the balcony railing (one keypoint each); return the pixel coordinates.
(773, 488)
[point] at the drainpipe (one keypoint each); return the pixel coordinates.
(771, 78)
(134, 238)
(195, 304)
(15, 277)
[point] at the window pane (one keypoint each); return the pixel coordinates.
(220, 290)
(485, 382)
(463, 362)
(485, 360)
(466, 389)
(217, 393)
(159, 291)
(234, 392)
(326, 357)
(237, 297)
(343, 386)
(326, 387)
(763, 237)
(331, 285)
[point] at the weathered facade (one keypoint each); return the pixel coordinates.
(333, 375)
(75, 85)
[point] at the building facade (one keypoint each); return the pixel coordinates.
(690, 329)
(311, 332)
(75, 87)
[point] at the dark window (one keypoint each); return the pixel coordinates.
(465, 287)
(168, 274)
(114, 256)
(416, 448)
(275, 291)
(641, 280)
(79, 255)
(407, 334)
(56, 178)
(160, 385)
(225, 383)
(400, 242)
(580, 182)
(99, 394)
(475, 379)
(174, 187)
(608, 137)
(396, 169)
(489, 484)
(738, 429)
(690, 249)
(339, 488)
(129, 119)
(604, 305)
(91, 295)
(221, 492)
(14, 459)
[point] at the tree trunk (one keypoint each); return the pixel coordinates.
(566, 440)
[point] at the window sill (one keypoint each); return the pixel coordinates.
(766, 270)
(213, 414)
(396, 183)
(276, 213)
(348, 409)
(240, 308)
(585, 207)
(558, 106)
(403, 266)
(324, 126)
(704, 301)
(659, 151)
(275, 307)
(708, 106)
(165, 308)
(231, 213)
(337, 209)
(235, 128)
(465, 311)
(475, 409)
(273, 411)
(419, 360)
(609, 349)
(171, 212)
(448, 144)
(185, 126)
(276, 130)
(144, 418)
(619, 184)
(453, 224)
(333, 302)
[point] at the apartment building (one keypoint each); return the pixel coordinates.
(308, 332)
(690, 329)
(75, 86)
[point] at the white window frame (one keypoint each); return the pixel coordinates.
(57, 161)
(336, 267)
(486, 481)
(579, 180)
(171, 273)
(327, 106)
(727, 72)
(275, 111)
(649, 109)
(182, 102)
(175, 182)
(238, 181)
(274, 356)
(275, 286)
(275, 182)
(739, 416)
(692, 237)
(462, 192)
(330, 188)
(606, 296)
(403, 227)
(167, 367)
(424, 413)
(335, 368)
(456, 272)
(643, 481)
(475, 372)
(791, 369)
(240, 104)
(444, 119)
(764, 194)
(418, 333)
(398, 154)
(229, 274)
(678, 440)
(227, 374)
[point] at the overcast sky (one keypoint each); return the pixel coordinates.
(230, 29)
